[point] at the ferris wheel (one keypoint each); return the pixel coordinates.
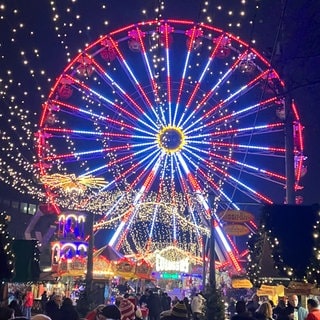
(160, 125)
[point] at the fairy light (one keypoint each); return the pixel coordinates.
(7, 257)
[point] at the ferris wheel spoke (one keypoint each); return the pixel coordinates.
(244, 89)
(126, 98)
(246, 189)
(125, 174)
(56, 133)
(99, 224)
(155, 213)
(137, 85)
(251, 149)
(241, 132)
(216, 187)
(186, 190)
(139, 35)
(220, 234)
(210, 92)
(89, 116)
(193, 34)
(234, 116)
(254, 170)
(138, 198)
(165, 30)
(98, 98)
(223, 174)
(205, 70)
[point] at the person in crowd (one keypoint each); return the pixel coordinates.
(294, 310)
(18, 296)
(53, 307)
(52, 295)
(165, 303)
(110, 311)
(68, 311)
(178, 312)
(16, 307)
(280, 310)
(231, 309)
(6, 313)
(174, 300)
(94, 314)
(188, 306)
(28, 303)
(264, 312)
(144, 298)
(154, 306)
(241, 311)
(253, 304)
(313, 309)
(44, 300)
(126, 309)
(40, 316)
(135, 301)
(197, 306)
(169, 299)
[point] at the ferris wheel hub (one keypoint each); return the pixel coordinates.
(171, 139)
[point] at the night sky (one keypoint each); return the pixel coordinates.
(38, 38)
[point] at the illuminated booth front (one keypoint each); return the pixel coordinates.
(70, 250)
(175, 269)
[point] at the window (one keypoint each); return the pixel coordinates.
(15, 205)
(24, 207)
(32, 209)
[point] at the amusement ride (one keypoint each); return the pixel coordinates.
(161, 129)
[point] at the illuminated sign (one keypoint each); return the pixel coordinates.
(236, 216)
(173, 276)
(163, 264)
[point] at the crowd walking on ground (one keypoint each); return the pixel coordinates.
(286, 309)
(160, 306)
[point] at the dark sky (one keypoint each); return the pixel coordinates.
(38, 37)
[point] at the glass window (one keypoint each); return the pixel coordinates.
(6, 203)
(24, 207)
(15, 204)
(32, 209)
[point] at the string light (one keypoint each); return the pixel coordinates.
(7, 257)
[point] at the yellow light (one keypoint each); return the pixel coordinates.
(171, 139)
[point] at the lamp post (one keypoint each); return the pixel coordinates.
(89, 274)
(204, 254)
(212, 272)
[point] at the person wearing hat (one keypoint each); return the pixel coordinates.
(127, 310)
(40, 316)
(178, 312)
(110, 312)
(94, 314)
(197, 305)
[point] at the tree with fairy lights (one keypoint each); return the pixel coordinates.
(292, 257)
(255, 247)
(6, 252)
(313, 272)
(214, 305)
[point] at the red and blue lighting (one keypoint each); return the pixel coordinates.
(180, 116)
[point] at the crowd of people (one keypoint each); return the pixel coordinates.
(286, 309)
(160, 306)
(148, 306)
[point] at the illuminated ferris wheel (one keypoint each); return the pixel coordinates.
(159, 125)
